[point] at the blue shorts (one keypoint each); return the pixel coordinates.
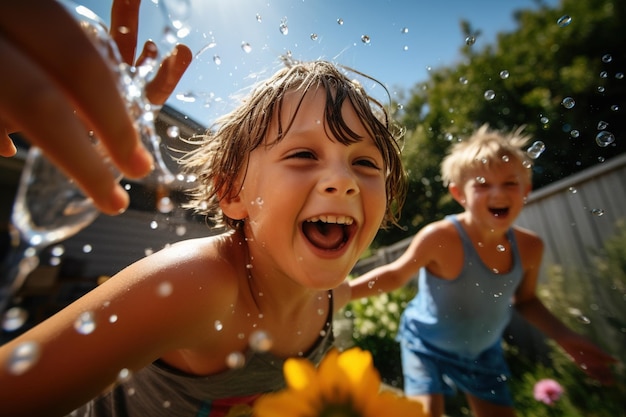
(433, 374)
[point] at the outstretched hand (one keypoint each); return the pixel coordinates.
(52, 73)
(591, 359)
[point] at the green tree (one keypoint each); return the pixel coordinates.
(564, 81)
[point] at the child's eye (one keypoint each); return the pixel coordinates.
(302, 155)
(367, 163)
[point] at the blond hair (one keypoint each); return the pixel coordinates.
(222, 153)
(488, 148)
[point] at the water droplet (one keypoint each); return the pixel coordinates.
(173, 131)
(283, 28)
(604, 138)
(619, 75)
(583, 319)
(470, 40)
(615, 107)
(113, 318)
(604, 74)
(544, 120)
(602, 125)
(500, 248)
(313, 36)
(23, 357)
(574, 133)
(505, 158)
(235, 360)
(536, 149)
(260, 341)
(573, 190)
(124, 375)
(463, 80)
(218, 325)
(600, 89)
(527, 164)
(404, 30)
(340, 21)
(365, 39)
(181, 230)
(480, 180)
(597, 212)
(165, 289)
(165, 205)
(259, 18)
(504, 74)
(85, 323)
(564, 20)
(606, 58)
(217, 60)
(568, 102)
(14, 318)
(154, 225)
(490, 95)
(245, 46)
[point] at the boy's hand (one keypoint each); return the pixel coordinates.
(594, 361)
(52, 73)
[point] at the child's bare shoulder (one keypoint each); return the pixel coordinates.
(441, 230)
(527, 236)
(530, 245)
(203, 267)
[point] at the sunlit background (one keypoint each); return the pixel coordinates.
(237, 42)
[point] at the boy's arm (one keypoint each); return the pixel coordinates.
(421, 252)
(587, 355)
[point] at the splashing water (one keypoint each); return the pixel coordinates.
(536, 149)
(85, 323)
(23, 357)
(568, 103)
(564, 21)
(604, 138)
(260, 341)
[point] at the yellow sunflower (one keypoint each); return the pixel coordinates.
(344, 385)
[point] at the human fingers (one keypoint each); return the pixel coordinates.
(77, 68)
(171, 70)
(7, 147)
(124, 26)
(35, 105)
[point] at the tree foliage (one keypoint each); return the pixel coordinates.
(531, 72)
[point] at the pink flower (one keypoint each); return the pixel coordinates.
(548, 391)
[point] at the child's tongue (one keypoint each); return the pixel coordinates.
(324, 235)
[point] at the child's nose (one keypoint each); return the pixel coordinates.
(339, 182)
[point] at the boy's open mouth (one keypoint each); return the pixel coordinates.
(328, 232)
(499, 212)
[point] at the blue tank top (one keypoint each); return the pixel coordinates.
(466, 315)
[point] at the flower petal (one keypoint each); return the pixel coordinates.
(390, 404)
(286, 403)
(299, 373)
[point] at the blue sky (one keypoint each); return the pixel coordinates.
(406, 37)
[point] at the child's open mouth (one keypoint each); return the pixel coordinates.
(328, 232)
(499, 212)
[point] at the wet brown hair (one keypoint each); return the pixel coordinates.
(222, 153)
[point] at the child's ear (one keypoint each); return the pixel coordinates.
(231, 203)
(457, 193)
